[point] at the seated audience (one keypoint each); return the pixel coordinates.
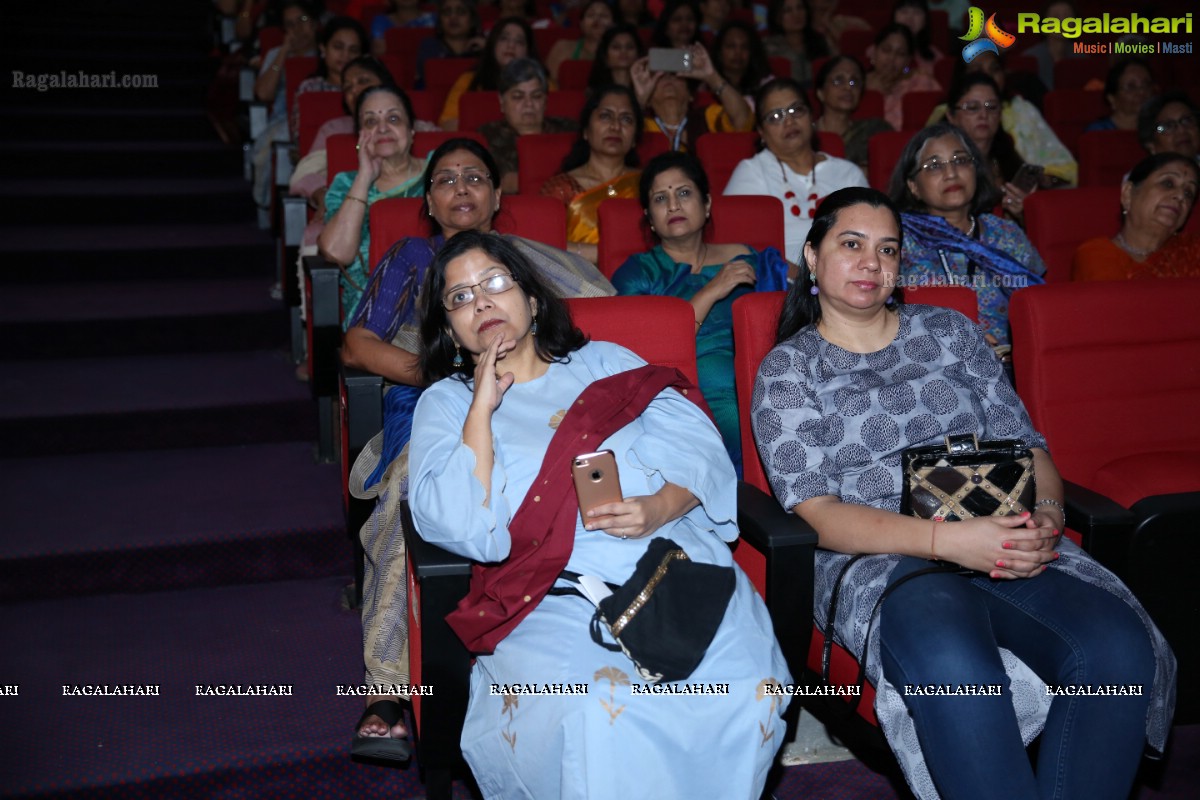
(341, 41)
(457, 33)
(1156, 199)
(603, 163)
(401, 14)
(1054, 47)
(594, 20)
(678, 25)
(462, 194)
(788, 167)
(503, 357)
(1032, 137)
(737, 53)
(856, 378)
(1128, 85)
(790, 35)
(675, 196)
(299, 20)
(714, 14)
(667, 99)
(635, 13)
(950, 235)
(511, 38)
(825, 20)
(620, 46)
(1167, 124)
(386, 168)
(974, 107)
(914, 15)
(523, 101)
(840, 85)
(891, 73)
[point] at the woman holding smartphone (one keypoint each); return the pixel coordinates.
(511, 376)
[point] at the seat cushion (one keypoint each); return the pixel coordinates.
(1129, 479)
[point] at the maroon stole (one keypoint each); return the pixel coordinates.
(543, 529)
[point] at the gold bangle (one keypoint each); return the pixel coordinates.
(359, 199)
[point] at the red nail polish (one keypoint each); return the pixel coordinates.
(1056, 555)
(1000, 564)
(1007, 545)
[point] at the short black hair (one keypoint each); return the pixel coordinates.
(556, 337)
(672, 159)
(391, 89)
(581, 150)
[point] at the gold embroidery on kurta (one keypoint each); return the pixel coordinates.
(767, 729)
(511, 701)
(556, 418)
(615, 678)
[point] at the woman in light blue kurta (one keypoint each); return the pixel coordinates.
(467, 483)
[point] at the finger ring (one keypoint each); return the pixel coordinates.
(624, 536)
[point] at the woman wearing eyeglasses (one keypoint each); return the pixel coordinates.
(602, 163)
(788, 167)
(1156, 199)
(517, 392)
(950, 236)
(462, 193)
(974, 107)
(1168, 124)
(840, 84)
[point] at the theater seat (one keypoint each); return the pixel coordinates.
(1110, 373)
(883, 153)
(1058, 221)
(1105, 156)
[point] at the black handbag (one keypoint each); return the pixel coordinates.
(965, 478)
(666, 615)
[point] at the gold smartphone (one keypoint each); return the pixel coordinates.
(596, 480)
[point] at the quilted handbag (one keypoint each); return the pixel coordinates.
(965, 478)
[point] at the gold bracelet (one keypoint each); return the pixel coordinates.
(359, 199)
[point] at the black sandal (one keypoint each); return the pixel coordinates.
(382, 748)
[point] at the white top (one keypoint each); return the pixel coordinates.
(766, 174)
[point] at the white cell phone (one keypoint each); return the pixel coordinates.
(670, 59)
(596, 480)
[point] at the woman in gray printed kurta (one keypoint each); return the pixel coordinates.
(855, 379)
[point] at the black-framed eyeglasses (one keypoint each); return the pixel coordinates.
(936, 166)
(974, 107)
(1187, 122)
(472, 177)
(461, 296)
(794, 111)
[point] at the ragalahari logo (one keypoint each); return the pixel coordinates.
(994, 40)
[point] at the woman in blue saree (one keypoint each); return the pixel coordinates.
(675, 196)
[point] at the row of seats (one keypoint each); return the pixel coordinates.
(1063, 359)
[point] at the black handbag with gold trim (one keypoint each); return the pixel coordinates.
(965, 478)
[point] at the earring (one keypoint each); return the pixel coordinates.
(533, 328)
(890, 300)
(457, 362)
(814, 291)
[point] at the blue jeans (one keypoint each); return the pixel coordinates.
(946, 629)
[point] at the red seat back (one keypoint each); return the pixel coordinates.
(1074, 73)
(1110, 369)
(295, 70)
(917, 106)
(883, 152)
(402, 68)
(720, 153)
(539, 158)
(1058, 221)
(542, 219)
(573, 74)
(661, 330)
(1069, 111)
(754, 220)
(425, 142)
(316, 108)
(1105, 156)
(544, 38)
(426, 105)
(476, 108)
(441, 73)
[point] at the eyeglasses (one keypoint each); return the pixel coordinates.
(292, 24)
(936, 166)
(842, 80)
(1188, 123)
(794, 111)
(974, 107)
(456, 298)
(471, 177)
